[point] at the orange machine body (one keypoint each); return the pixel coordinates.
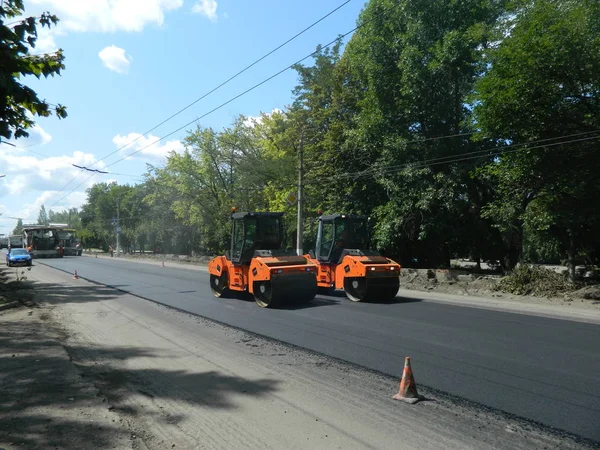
(256, 263)
(345, 261)
(332, 275)
(242, 278)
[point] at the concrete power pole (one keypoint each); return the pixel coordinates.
(300, 224)
(118, 229)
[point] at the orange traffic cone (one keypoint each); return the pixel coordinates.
(408, 388)
(75, 276)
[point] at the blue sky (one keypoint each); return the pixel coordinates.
(130, 64)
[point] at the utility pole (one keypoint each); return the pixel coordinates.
(118, 229)
(300, 230)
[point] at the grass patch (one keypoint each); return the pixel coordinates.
(537, 281)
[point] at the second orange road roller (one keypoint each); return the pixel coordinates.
(257, 263)
(346, 262)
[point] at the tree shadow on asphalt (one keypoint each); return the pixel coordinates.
(314, 303)
(285, 305)
(397, 300)
(48, 401)
(338, 293)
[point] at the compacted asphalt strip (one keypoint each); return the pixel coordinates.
(541, 369)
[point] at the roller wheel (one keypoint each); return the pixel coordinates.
(218, 285)
(356, 288)
(263, 294)
(374, 290)
(389, 291)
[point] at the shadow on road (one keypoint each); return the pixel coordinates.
(288, 306)
(339, 294)
(314, 303)
(396, 300)
(47, 400)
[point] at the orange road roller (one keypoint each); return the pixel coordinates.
(256, 263)
(345, 261)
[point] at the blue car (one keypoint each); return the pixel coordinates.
(18, 257)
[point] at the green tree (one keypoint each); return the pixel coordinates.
(541, 93)
(19, 228)
(17, 101)
(409, 72)
(43, 216)
(69, 216)
(99, 214)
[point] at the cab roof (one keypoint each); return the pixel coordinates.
(243, 215)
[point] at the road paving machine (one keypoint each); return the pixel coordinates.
(345, 261)
(256, 263)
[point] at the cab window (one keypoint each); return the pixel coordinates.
(326, 239)
(238, 240)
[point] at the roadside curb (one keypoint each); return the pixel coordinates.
(10, 305)
(506, 306)
(163, 262)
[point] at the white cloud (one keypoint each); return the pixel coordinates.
(147, 149)
(114, 59)
(252, 121)
(207, 8)
(46, 42)
(29, 211)
(26, 173)
(31, 182)
(28, 178)
(37, 136)
(108, 15)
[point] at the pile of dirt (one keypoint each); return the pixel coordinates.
(524, 282)
(536, 281)
(588, 292)
(449, 282)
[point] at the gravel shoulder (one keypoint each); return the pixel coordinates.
(97, 368)
(45, 400)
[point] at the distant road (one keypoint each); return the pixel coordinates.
(541, 369)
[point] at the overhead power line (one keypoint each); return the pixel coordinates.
(339, 38)
(490, 152)
(487, 151)
(266, 80)
(88, 169)
(279, 47)
(443, 160)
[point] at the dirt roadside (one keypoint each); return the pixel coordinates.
(97, 368)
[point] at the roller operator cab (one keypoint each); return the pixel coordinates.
(345, 261)
(257, 263)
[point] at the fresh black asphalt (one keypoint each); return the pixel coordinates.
(541, 369)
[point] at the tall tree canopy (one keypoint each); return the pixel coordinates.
(542, 92)
(18, 103)
(463, 127)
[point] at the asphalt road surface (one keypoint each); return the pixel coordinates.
(544, 370)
